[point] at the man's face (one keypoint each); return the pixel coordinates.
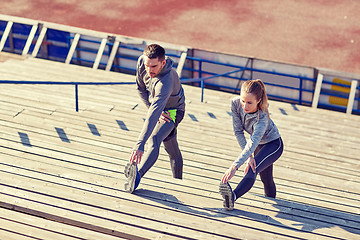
(153, 66)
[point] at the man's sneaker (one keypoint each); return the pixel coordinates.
(132, 177)
(228, 196)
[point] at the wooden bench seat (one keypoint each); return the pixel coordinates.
(62, 170)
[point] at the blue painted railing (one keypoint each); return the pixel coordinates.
(59, 42)
(76, 84)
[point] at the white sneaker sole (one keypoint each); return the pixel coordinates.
(226, 194)
(130, 175)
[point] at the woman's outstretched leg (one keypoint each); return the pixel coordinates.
(265, 156)
(267, 178)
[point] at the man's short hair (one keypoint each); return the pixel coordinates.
(155, 51)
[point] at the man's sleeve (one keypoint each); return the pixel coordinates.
(141, 87)
(163, 91)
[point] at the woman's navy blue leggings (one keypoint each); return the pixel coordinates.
(265, 155)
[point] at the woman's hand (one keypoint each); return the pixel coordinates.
(250, 164)
(229, 174)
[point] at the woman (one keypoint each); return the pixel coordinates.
(264, 147)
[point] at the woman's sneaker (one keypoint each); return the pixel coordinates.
(132, 177)
(228, 196)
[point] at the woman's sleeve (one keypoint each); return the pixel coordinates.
(237, 124)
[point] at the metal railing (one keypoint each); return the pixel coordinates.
(76, 85)
(200, 72)
(34, 36)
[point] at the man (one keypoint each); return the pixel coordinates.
(160, 89)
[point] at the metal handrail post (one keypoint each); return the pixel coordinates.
(202, 81)
(300, 91)
(76, 98)
(202, 90)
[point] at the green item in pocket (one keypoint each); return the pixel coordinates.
(172, 114)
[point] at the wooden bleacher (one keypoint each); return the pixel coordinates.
(61, 171)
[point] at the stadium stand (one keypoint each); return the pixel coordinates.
(303, 85)
(62, 170)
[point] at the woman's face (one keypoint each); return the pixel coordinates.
(249, 102)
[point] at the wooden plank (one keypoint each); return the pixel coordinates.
(340, 201)
(340, 186)
(161, 163)
(39, 41)
(93, 220)
(317, 90)
(168, 189)
(181, 63)
(92, 207)
(72, 48)
(35, 227)
(100, 120)
(317, 198)
(5, 56)
(311, 130)
(150, 185)
(112, 55)
(100, 53)
(56, 113)
(351, 100)
(5, 35)
(12, 235)
(29, 40)
(330, 170)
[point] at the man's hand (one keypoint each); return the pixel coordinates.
(136, 156)
(229, 174)
(250, 164)
(165, 117)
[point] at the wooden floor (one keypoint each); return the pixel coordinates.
(61, 171)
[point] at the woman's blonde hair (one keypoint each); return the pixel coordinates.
(257, 88)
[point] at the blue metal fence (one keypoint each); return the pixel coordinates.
(200, 72)
(75, 84)
(58, 43)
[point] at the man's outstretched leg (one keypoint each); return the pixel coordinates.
(161, 131)
(132, 174)
(176, 160)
